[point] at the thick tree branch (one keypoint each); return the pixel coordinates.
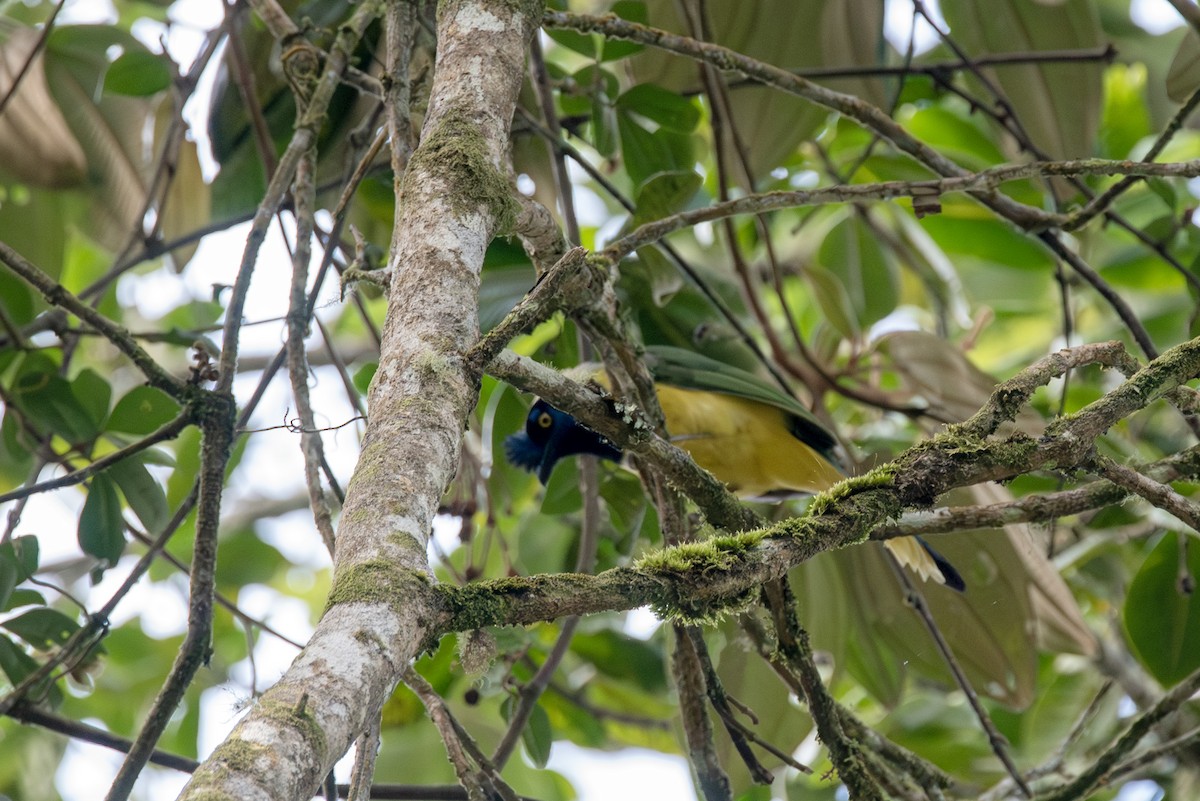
(454, 197)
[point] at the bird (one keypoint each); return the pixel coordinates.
(758, 441)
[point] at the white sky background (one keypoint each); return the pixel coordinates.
(633, 773)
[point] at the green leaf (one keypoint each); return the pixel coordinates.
(647, 153)
(1058, 104)
(8, 575)
(46, 398)
(363, 375)
(42, 628)
(625, 658)
(582, 43)
(663, 106)
(665, 193)
(27, 553)
(142, 410)
(142, 492)
(1161, 621)
(851, 252)
(138, 73)
(93, 392)
(23, 597)
(17, 664)
(1126, 119)
(101, 530)
(538, 737)
(633, 11)
(832, 298)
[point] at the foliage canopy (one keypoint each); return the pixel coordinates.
(882, 227)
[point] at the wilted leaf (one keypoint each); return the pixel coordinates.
(187, 206)
(941, 375)
(1183, 78)
(109, 128)
(36, 145)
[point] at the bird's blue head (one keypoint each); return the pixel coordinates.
(550, 435)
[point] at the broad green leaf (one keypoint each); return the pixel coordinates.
(647, 153)
(665, 279)
(833, 299)
(142, 410)
(8, 575)
(16, 664)
(142, 492)
(960, 138)
(633, 11)
(571, 722)
(26, 552)
(792, 34)
(662, 106)
(243, 558)
(604, 125)
(93, 393)
(582, 43)
(1126, 119)
(1161, 621)
(16, 458)
(138, 73)
(44, 629)
(46, 398)
(851, 251)
(101, 530)
(507, 277)
(665, 193)
(537, 736)
(23, 597)
(363, 375)
(15, 298)
(1058, 104)
(623, 657)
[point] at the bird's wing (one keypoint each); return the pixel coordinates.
(690, 370)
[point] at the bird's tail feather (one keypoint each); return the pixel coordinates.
(915, 554)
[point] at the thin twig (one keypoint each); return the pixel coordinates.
(996, 740)
(1153, 491)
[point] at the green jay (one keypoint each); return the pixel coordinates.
(757, 440)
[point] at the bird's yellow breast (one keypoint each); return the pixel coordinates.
(746, 444)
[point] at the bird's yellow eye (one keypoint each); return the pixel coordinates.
(545, 420)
